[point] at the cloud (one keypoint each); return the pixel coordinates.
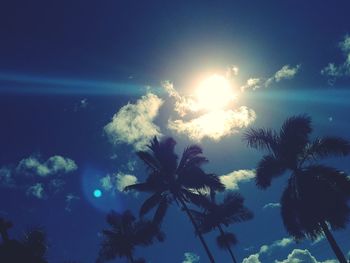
(190, 258)
(252, 259)
(133, 123)
(6, 178)
(183, 104)
(285, 73)
(264, 249)
(117, 182)
(38, 178)
(36, 190)
(272, 205)
(341, 70)
(54, 165)
(215, 124)
(70, 199)
(232, 179)
(303, 256)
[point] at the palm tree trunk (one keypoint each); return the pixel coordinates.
(336, 249)
(131, 259)
(211, 258)
(227, 245)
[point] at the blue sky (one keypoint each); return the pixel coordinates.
(75, 76)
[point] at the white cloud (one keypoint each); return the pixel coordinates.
(133, 123)
(215, 124)
(36, 190)
(54, 165)
(252, 83)
(190, 258)
(124, 180)
(117, 182)
(335, 71)
(272, 205)
(285, 73)
(303, 256)
(232, 179)
(182, 104)
(252, 259)
(38, 178)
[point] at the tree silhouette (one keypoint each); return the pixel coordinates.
(169, 180)
(231, 210)
(125, 234)
(32, 248)
(316, 195)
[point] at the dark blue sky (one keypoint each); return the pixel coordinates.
(66, 67)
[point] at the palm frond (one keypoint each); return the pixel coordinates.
(329, 146)
(262, 139)
(150, 203)
(148, 159)
(140, 187)
(226, 239)
(161, 211)
(269, 167)
(294, 136)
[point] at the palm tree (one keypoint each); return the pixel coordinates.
(316, 196)
(231, 210)
(125, 234)
(169, 180)
(32, 248)
(5, 225)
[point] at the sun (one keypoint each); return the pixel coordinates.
(214, 93)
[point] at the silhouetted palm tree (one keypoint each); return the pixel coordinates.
(231, 210)
(316, 195)
(125, 234)
(31, 249)
(170, 180)
(5, 225)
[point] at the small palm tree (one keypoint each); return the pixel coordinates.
(32, 248)
(5, 225)
(231, 210)
(316, 195)
(125, 234)
(169, 180)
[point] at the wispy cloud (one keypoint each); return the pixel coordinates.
(300, 255)
(272, 205)
(36, 190)
(285, 73)
(190, 257)
(70, 199)
(334, 70)
(117, 182)
(234, 178)
(133, 123)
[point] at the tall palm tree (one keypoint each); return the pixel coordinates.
(169, 180)
(316, 196)
(231, 210)
(125, 234)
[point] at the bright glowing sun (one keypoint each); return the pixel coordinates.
(214, 93)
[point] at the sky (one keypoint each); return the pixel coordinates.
(85, 84)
